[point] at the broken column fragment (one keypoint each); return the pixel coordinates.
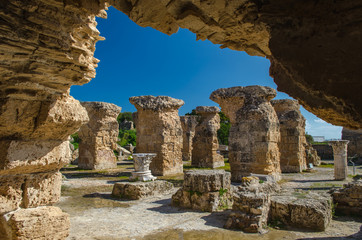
(98, 138)
(205, 143)
(292, 135)
(188, 124)
(340, 159)
(254, 132)
(159, 131)
(204, 190)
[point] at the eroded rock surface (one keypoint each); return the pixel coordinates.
(348, 200)
(159, 131)
(205, 142)
(302, 210)
(312, 155)
(188, 124)
(292, 135)
(99, 136)
(254, 132)
(204, 190)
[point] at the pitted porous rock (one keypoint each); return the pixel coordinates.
(204, 181)
(156, 103)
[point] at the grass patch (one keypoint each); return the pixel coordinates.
(326, 165)
(325, 185)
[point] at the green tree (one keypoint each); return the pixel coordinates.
(75, 140)
(193, 112)
(309, 138)
(127, 137)
(223, 132)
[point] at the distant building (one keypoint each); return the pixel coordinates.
(319, 138)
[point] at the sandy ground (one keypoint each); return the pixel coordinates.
(94, 214)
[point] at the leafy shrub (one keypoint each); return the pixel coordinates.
(127, 137)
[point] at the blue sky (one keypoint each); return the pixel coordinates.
(142, 61)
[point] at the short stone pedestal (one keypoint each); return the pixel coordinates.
(205, 190)
(340, 159)
(142, 167)
(140, 190)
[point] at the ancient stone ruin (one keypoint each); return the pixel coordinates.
(254, 132)
(340, 159)
(47, 46)
(348, 200)
(292, 135)
(205, 142)
(204, 190)
(98, 138)
(188, 124)
(159, 131)
(355, 142)
(312, 155)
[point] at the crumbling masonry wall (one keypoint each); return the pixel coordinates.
(159, 131)
(188, 124)
(355, 142)
(254, 132)
(205, 143)
(292, 133)
(98, 138)
(46, 46)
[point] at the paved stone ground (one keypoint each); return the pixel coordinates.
(94, 214)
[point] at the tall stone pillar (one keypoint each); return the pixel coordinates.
(254, 132)
(99, 136)
(188, 124)
(205, 142)
(159, 131)
(292, 133)
(46, 47)
(340, 159)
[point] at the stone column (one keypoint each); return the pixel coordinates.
(46, 47)
(254, 132)
(205, 142)
(188, 124)
(340, 159)
(292, 133)
(98, 138)
(159, 131)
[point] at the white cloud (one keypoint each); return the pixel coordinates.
(319, 121)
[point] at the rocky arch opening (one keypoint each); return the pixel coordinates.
(47, 46)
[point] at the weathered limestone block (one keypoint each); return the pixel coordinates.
(340, 159)
(312, 155)
(99, 136)
(348, 200)
(35, 223)
(303, 210)
(33, 156)
(292, 135)
(251, 204)
(29, 190)
(254, 132)
(205, 142)
(355, 142)
(188, 124)
(141, 190)
(204, 190)
(159, 131)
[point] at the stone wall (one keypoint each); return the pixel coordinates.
(254, 132)
(355, 142)
(205, 142)
(188, 124)
(292, 132)
(159, 131)
(98, 138)
(46, 46)
(325, 152)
